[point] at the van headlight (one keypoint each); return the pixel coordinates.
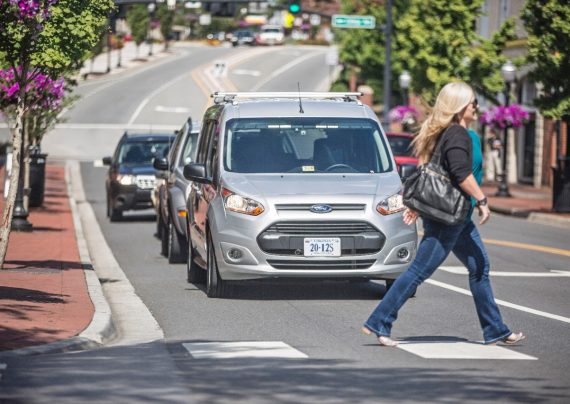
(241, 204)
(126, 179)
(392, 204)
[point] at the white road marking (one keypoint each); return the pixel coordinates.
(552, 274)
(115, 126)
(176, 110)
(245, 72)
(502, 302)
(244, 349)
(98, 163)
(460, 350)
(283, 69)
(153, 94)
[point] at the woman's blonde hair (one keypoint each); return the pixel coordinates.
(451, 100)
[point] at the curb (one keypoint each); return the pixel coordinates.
(101, 328)
(549, 219)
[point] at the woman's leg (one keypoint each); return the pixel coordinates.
(435, 246)
(471, 252)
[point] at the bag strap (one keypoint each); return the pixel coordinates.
(436, 156)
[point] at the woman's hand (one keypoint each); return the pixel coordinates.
(410, 216)
(484, 213)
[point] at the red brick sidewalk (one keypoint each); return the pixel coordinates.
(43, 293)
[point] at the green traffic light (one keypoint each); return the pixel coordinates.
(294, 8)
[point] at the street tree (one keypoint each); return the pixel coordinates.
(433, 40)
(436, 42)
(138, 20)
(166, 19)
(41, 38)
(548, 27)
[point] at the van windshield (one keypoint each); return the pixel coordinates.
(305, 145)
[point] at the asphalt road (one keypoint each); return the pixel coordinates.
(317, 320)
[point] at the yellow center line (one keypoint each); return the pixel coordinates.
(532, 247)
(523, 246)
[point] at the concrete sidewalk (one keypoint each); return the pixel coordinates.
(48, 286)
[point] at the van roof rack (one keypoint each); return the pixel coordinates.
(221, 97)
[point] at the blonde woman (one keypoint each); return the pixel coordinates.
(454, 110)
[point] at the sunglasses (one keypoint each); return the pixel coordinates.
(475, 103)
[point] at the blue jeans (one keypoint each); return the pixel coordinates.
(438, 241)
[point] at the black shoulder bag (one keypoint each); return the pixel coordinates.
(430, 192)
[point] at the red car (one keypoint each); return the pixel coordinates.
(401, 144)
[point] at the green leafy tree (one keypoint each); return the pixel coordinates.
(434, 40)
(138, 19)
(41, 37)
(548, 27)
(166, 18)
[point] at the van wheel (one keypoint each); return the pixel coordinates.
(164, 240)
(114, 214)
(159, 225)
(215, 286)
(194, 272)
(176, 246)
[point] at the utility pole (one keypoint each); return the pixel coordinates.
(387, 61)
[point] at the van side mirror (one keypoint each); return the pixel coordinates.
(196, 172)
(107, 161)
(160, 163)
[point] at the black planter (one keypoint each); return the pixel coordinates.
(561, 186)
(37, 179)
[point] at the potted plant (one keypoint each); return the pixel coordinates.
(502, 117)
(402, 118)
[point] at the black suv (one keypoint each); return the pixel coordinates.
(131, 178)
(171, 193)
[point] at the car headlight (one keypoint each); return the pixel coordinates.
(241, 204)
(392, 204)
(126, 179)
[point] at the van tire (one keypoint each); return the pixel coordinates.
(216, 287)
(176, 246)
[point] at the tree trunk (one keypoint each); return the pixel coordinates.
(26, 160)
(6, 224)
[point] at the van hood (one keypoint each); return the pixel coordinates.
(137, 169)
(271, 185)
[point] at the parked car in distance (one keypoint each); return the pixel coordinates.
(172, 191)
(130, 178)
(270, 35)
(401, 144)
(243, 37)
(299, 185)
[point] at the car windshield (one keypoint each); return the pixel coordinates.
(143, 152)
(305, 145)
(401, 145)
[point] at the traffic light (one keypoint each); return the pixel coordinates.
(294, 6)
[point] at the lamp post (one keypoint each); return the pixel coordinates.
(151, 7)
(387, 61)
(508, 71)
(404, 80)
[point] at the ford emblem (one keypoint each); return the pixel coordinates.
(321, 209)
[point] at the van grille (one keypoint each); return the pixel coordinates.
(307, 206)
(339, 265)
(287, 237)
(321, 228)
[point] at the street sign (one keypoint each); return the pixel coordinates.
(353, 21)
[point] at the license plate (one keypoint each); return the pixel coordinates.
(322, 247)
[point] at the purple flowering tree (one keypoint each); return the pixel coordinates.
(501, 117)
(40, 40)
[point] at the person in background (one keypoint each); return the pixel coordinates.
(455, 109)
(495, 150)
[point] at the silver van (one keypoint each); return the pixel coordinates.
(294, 185)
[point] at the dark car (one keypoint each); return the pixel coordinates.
(243, 37)
(401, 145)
(172, 191)
(130, 179)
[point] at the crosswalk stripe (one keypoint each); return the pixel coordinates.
(460, 270)
(243, 349)
(460, 350)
